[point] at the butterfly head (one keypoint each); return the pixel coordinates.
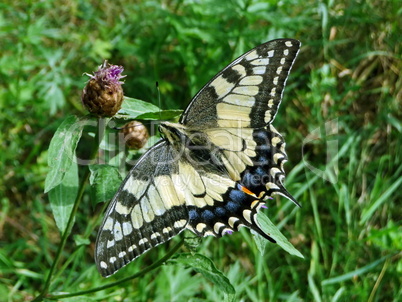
(172, 132)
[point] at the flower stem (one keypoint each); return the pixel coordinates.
(98, 138)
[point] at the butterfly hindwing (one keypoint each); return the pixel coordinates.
(245, 181)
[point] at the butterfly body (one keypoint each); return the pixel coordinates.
(212, 171)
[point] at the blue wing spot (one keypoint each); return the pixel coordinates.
(233, 206)
(220, 212)
(264, 161)
(261, 135)
(237, 196)
(265, 150)
(207, 215)
(193, 215)
(260, 172)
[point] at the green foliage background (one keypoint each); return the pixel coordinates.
(348, 72)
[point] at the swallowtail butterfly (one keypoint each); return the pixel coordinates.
(211, 172)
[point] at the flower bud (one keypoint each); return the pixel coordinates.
(135, 134)
(103, 94)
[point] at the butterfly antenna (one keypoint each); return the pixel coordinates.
(159, 99)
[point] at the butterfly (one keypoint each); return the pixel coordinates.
(213, 170)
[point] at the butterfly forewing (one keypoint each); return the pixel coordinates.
(247, 92)
(213, 171)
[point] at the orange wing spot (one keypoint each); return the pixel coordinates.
(247, 191)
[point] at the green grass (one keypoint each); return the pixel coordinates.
(348, 72)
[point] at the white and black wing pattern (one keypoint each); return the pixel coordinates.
(146, 211)
(246, 93)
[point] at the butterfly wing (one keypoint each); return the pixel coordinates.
(247, 92)
(146, 211)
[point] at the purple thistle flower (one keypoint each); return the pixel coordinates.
(108, 74)
(103, 94)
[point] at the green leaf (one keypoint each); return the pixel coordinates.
(105, 181)
(62, 197)
(268, 227)
(207, 268)
(260, 241)
(134, 108)
(160, 115)
(62, 150)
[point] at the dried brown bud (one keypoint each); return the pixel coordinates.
(135, 134)
(103, 94)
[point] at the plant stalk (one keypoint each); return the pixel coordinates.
(98, 138)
